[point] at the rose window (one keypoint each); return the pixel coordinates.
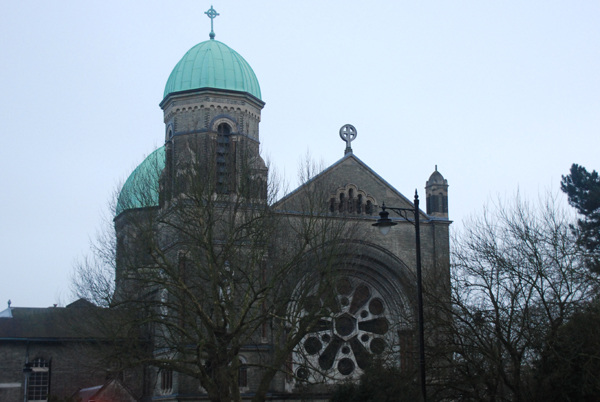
(343, 343)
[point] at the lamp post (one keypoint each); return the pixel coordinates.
(384, 224)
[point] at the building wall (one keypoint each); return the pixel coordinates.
(384, 265)
(73, 366)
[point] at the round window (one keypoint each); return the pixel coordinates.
(343, 343)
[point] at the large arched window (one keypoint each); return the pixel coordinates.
(223, 149)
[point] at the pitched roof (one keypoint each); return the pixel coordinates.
(47, 322)
(352, 161)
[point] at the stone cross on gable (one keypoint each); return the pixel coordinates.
(348, 134)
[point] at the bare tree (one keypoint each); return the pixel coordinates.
(517, 276)
(215, 272)
(93, 277)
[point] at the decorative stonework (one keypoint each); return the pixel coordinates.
(224, 120)
(343, 343)
(350, 200)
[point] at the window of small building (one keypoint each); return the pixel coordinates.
(39, 380)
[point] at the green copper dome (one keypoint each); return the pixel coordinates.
(141, 187)
(212, 64)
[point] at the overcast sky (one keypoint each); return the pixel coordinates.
(501, 95)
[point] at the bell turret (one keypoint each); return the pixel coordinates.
(436, 190)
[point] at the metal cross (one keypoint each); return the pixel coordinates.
(348, 134)
(212, 14)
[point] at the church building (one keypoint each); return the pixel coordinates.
(201, 249)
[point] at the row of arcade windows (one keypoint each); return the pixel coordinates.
(348, 202)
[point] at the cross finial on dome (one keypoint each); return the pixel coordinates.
(212, 14)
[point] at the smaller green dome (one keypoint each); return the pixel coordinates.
(212, 64)
(142, 186)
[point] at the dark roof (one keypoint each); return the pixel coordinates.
(73, 321)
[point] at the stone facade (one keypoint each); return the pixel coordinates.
(212, 139)
(382, 266)
(376, 288)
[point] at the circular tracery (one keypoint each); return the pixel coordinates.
(356, 329)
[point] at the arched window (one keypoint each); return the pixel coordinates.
(369, 208)
(166, 381)
(351, 200)
(342, 206)
(223, 131)
(243, 374)
(357, 329)
(39, 380)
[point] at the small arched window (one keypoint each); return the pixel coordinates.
(166, 381)
(342, 206)
(351, 201)
(369, 208)
(243, 374)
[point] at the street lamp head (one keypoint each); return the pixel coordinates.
(384, 223)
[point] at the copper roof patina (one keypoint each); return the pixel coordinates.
(213, 64)
(141, 187)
